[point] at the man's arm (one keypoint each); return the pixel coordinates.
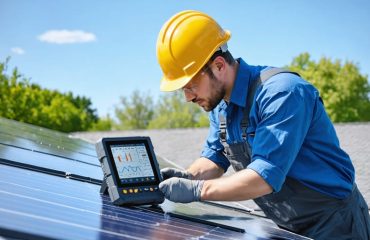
(204, 169)
(243, 185)
(200, 169)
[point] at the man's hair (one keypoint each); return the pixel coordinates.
(226, 55)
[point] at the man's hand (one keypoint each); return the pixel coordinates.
(174, 172)
(182, 190)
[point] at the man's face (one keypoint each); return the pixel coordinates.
(205, 89)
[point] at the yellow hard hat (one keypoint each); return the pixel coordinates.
(184, 45)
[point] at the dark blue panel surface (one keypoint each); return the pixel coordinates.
(46, 148)
(252, 224)
(31, 132)
(49, 206)
(50, 162)
(43, 140)
(28, 144)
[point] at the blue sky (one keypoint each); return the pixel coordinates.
(106, 49)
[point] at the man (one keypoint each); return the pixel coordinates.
(270, 125)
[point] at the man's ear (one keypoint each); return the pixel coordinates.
(220, 63)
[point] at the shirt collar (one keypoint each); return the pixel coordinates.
(241, 84)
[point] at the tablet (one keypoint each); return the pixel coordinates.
(131, 171)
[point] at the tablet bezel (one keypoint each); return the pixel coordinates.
(129, 141)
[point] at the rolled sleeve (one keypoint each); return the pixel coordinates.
(216, 157)
(274, 176)
(279, 135)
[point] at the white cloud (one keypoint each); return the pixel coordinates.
(18, 50)
(66, 36)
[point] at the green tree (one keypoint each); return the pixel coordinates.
(344, 90)
(85, 105)
(172, 111)
(136, 112)
(25, 102)
(103, 124)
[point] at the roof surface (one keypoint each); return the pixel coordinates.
(50, 190)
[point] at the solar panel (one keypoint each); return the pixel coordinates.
(37, 203)
(19, 155)
(46, 141)
(43, 205)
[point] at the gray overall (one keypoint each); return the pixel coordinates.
(297, 207)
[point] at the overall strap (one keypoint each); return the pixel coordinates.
(273, 71)
(265, 75)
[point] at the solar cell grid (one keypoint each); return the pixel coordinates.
(50, 162)
(49, 149)
(29, 205)
(60, 146)
(45, 137)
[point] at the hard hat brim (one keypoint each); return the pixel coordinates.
(169, 86)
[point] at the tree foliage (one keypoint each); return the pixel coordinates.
(344, 90)
(25, 102)
(103, 124)
(135, 112)
(172, 111)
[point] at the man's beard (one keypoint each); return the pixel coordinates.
(217, 94)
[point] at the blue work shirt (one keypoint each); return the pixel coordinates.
(289, 132)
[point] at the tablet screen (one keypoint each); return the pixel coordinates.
(132, 163)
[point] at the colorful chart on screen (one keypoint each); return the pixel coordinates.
(132, 163)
